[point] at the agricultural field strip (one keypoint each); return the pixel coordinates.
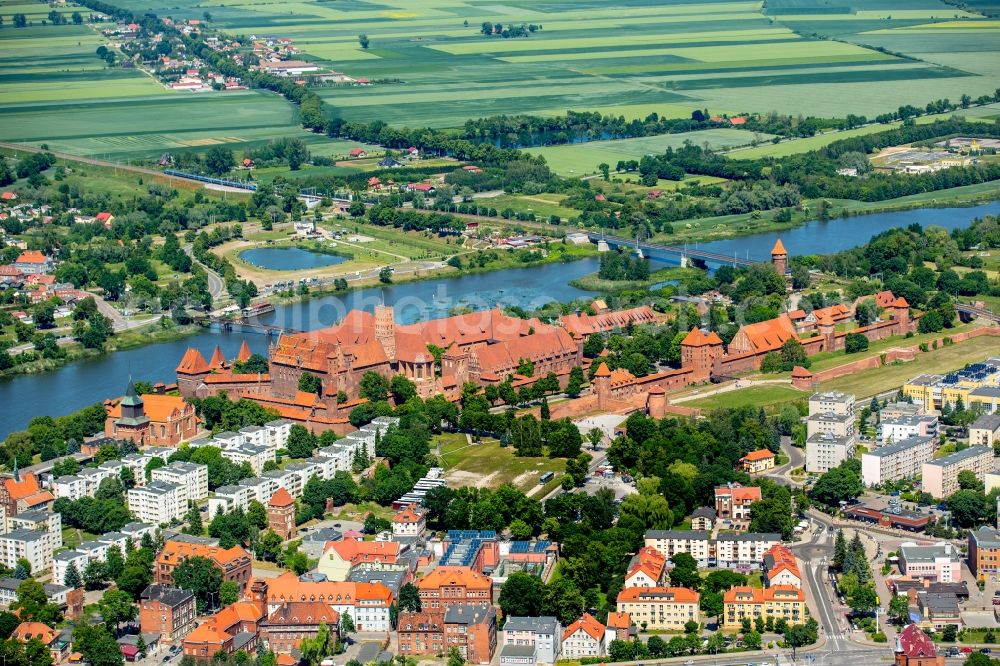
(726, 54)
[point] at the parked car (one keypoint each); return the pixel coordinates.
(966, 650)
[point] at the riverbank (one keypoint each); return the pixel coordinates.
(132, 339)
(665, 276)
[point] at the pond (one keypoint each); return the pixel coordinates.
(289, 258)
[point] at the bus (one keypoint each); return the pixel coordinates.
(545, 478)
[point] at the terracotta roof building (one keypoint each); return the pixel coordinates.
(288, 625)
(470, 628)
(235, 563)
(779, 601)
(757, 461)
(232, 629)
(584, 638)
(150, 420)
(733, 503)
(339, 557)
(367, 603)
(915, 648)
(50, 638)
(449, 585)
(281, 514)
(668, 608)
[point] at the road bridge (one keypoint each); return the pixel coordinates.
(665, 252)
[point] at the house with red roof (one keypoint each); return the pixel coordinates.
(358, 153)
(584, 638)
(58, 647)
(738, 120)
(757, 461)
(8, 196)
(915, 648)
(31, 262)
(733, 502)
(426, 188)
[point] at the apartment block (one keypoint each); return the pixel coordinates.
(668, 542)
(838, 425)
(832, 402)
(471, 628)
(985, 431)
(168, 611)
(900, 460)
(733, 502)
(779, 602)
(824, 451)
(940, 477)
(543, 634)
(35, 547)
(984, 553)
(158, 502)
(903, 427)
(192, 476)
(743, 550)
(665, 608)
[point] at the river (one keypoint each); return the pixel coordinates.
(82, 383)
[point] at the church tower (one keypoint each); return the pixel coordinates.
(133, 422)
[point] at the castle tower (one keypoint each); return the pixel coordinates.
(602, 385)
(244, 355)
(385, 329)
(218, 360)
(656, 402)
(258, 594)
(828, 331)
(698, 353)
(191, 370)
(779, 258)
(901, 315)
(281, 514)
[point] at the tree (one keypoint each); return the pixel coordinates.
(409, 598)
(20, 20)
(521, 595)
(316, 648)
(575, 382)
(374, 386)
(363, 40)
(839, 550)
(310, 383)
(685, 571)
(219, 160)
(116, 608)
(751, 640)
(967, 480)
(899, 609)
(73, 579)
(268, 546)
(800, 635)
(301, 443)
(455, 657)
(855, 342)
(837, 485)
(605, 170)
(201, 577)
(33, 605)
(969, 508)
(193, 519)
(346, 624)
(229, 593)
(385, 275)
(95, 575)
(97, 645)
(257, 515)
(864, 600)
(134, 579)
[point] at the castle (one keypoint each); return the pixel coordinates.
(441, 355)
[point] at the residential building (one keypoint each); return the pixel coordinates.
(192, 476)
(48, 522)
(667, 608)
(619, 627)
(339, 557)
(57, 594)
(62, 560)
(234, 563)
(668, 542)
(70, 486)
(410, 521)
(285, 628)
(919, 425)
(281, 514)
(393, 578)
(743, 551)
(158, 502)
(234, 628)
(447, 585)
(781, 567)
(471, 628)
(230, 498)
(168, 611)
(703, 518)
(838, 425)
(544, 634)
(940, 476)
(584, 638)
(647, 568)
(22, 492)
(779, 601)
(33, 262)
(757, 461)
(985, 430)
(899, 460)
(984, 553)
(893, 410)
(367, 603)
(732, 504)
(35, 547)
(824, 451)
(915, 648)
(939, 563)
(59, 647)
(831, 402)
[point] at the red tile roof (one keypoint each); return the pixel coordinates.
(779, 248)
(281, 498)
(192, 363)
(914, 643)
(698, 339)
(589, 624)
(759, 454)
(31, 257)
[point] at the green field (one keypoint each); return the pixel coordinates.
(767, 396)
(582, 159)
(431, 66)
(871, 382)
(489, 465)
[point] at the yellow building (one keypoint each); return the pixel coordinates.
(758, 461)
(968, 384)
(778, 601)
(667, 608)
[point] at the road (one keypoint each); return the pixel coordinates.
(83, 160)
(216, 286)
(815, 555)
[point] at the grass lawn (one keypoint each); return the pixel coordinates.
(769, 396)
(488, 465)
(879, 380)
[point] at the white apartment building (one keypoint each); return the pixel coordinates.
(62, 561)
(833, 402)
(192, 476)
(824, 451)
(276, 433)
(985, 430)
(668, 542)
(225, 439)
(71, 487)
(822, 423)
(920, 425)
(35, 547)
(261, 487)
(158, 502)
(743, 550)
(544, 634)
(940, 477)
(255, 435)
(48, 522)
(254, 454)
(229, 498)
(289, 478)
(900, 460)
